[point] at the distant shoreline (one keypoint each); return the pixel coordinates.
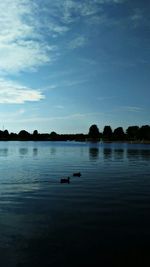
(145, 142)
(129, 142)
(133, 135)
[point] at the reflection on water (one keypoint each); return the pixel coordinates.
(3, 152)
(107, 152)
(104, 212)
(35, 151)
(119, 154)
(23, 151)
(145, 154)
(53, 151)
(94, 153)
(133, 153)
(138, 154)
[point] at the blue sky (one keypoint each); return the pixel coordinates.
(67, 64)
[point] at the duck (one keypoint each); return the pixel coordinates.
(65, 180)
(77, 174)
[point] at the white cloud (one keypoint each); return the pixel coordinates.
(22, 48)
(21, 45)
(23, 55)
(57, 29)
(14, 93)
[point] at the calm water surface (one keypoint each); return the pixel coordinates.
(101, 217)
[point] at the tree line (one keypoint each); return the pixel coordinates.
(133, 133)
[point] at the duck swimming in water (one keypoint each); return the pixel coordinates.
(65, 180)
(78, 174)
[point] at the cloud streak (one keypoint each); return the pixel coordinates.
(14, 93)
(77, 42)
(132, 108)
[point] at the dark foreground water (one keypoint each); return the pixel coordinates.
(100, 218)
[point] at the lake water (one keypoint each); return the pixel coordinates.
(99, 218)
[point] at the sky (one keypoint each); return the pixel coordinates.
(68, 64)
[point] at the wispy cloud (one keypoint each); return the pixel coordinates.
(21, 46)
(59, 106)
(57, 29)
(72, 10)
(14, 93)
(65, 13)
(136, 17)
(67, 83)
(132, 108)
(109, 1)
(77, 42)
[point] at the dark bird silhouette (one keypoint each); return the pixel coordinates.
(78, 174)
(65, 180)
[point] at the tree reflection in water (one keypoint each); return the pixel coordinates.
(35, 152)
(107, 152)
(23, 151)
(94, 153)
(119, 154)
(143, 154)
(3, 152)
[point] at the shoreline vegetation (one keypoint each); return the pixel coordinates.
(133, 134)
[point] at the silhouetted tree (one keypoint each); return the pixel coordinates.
(79, 137)
(35, 132)
(107, 133)
(1, 135)
(6, 135)
(133, 132)
(24, 135)
(13, 136)
(35, 135)
(119, 134)
(94, 132)
(144, 132)
(53, 136)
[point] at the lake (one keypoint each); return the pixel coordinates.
(102, 217)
